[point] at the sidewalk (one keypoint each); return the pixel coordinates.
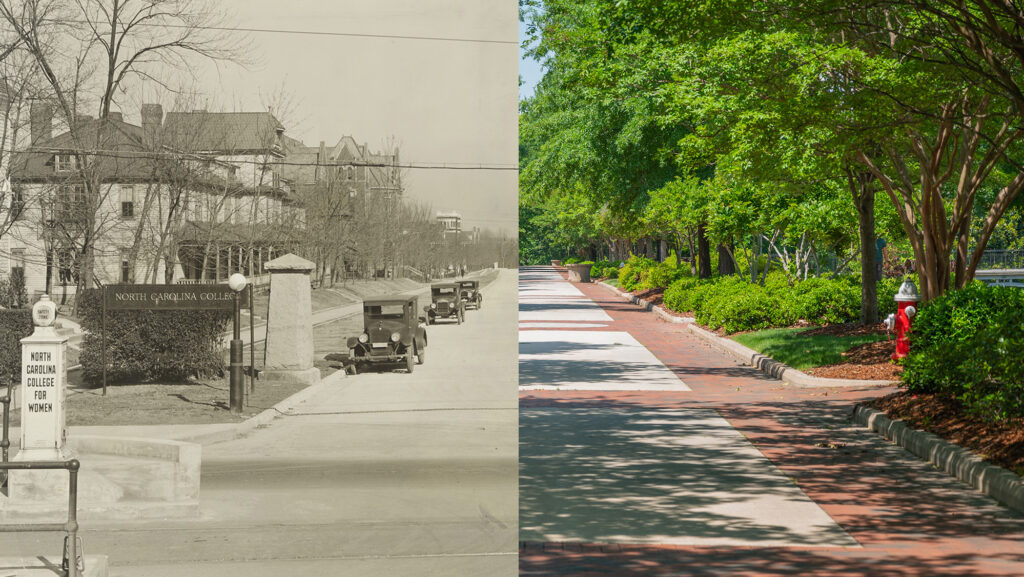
(676, 482)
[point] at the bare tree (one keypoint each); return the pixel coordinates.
(92, 51)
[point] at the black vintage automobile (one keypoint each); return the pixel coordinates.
(471, 293)
(392, 334)
(445, 303)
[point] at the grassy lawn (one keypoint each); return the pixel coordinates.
(612, 281)
(802, 352)
(189, 403)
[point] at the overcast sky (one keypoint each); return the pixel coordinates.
(444, 102)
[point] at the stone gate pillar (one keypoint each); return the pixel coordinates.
(289, 346)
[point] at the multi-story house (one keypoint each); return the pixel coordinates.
(196, 197)
(358, 193)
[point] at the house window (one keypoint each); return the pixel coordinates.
(17, 202)
(350, 173)
(65, 162)
(69, 204)
(17, 262)
(127, 202)
(126, 267)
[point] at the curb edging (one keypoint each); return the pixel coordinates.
(996, 482)
(774, 368)
(747, 356)
(647, 305)
(279, 410)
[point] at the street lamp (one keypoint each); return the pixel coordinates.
(237, 283)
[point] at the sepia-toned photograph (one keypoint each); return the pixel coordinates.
(258, 288)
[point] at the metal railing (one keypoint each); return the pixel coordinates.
(5, 442)
(72, 543)
(1001, 259)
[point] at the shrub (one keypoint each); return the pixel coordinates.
(150, 345)
(827, 300)
(635, 272)
(662, 275)
(15, 324)
(677, 296)
(12, 291)
(734, 305)
(571, 260)
(970, 344)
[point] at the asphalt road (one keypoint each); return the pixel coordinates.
(386, 473)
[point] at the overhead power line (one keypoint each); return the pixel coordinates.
(152, 155)
(325, 33)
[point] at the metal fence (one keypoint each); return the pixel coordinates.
(1001, 259)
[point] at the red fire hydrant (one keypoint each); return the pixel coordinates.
(905, 299)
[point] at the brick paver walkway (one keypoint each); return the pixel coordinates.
(906, 518)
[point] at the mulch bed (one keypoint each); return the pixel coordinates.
(846, 330)
(653, 296)
(998, 443)
(869, 361)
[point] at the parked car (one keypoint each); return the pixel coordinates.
(393, 333)
(471, 293)
(445, 303)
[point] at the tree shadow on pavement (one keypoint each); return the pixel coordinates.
(541, 560)
(596, 475)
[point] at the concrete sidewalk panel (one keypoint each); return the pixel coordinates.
(590, 360)
(40, 566)
(669, 477)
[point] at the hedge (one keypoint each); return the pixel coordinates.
(15, 324)
(735, 304)
(150, 345)
(969, 344)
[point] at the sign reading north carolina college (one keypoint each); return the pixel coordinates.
(173, 297)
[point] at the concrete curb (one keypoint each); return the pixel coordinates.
(748, 356)
(279, 410)
(996, 482)
(647, 305)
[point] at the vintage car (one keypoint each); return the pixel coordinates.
(471, 293)
(392, 334)
(445, 303)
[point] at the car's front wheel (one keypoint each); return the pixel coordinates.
(410, 361)
(421, 355)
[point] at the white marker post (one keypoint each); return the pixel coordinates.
(44, 376)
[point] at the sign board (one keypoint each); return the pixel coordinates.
(167, 297)
(43, 375)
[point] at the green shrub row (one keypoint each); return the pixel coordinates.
(605, 269)
(735, 304)
(970, 344)
(15, 324)
(640, 273)
(150, 345)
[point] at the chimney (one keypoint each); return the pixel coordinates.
(321, 160)
(40, 121)
(152, 119)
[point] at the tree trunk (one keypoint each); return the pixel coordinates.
(864, 200)
(703, 253)
(726, 263)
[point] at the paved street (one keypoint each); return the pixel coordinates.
(382, 474)
(645, 452)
